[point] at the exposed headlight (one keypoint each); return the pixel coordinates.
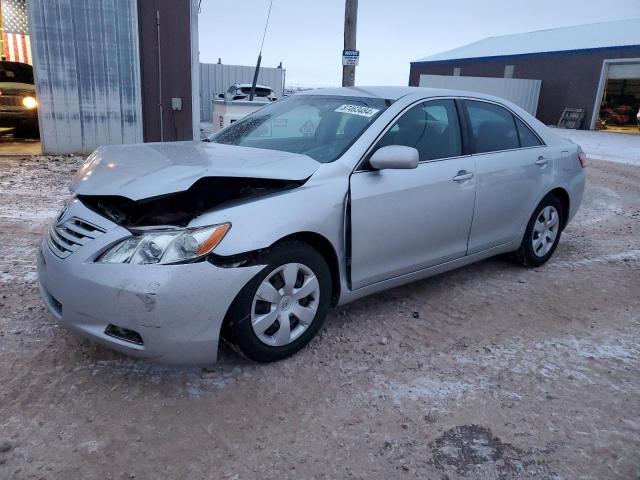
(30, 102)
(166, 246)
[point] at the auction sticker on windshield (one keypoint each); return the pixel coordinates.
(357, 110)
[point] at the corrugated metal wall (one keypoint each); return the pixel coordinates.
(87, 68)
(522, 92)
(216, 78)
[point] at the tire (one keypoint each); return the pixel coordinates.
(253, 312)
(537, 248)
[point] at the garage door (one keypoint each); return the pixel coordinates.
(624, 71)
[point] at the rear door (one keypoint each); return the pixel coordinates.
(514, 170)
(405, 220)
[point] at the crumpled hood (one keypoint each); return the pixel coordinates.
(153, 169)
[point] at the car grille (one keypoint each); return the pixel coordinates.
(67, 237)
(10, 101)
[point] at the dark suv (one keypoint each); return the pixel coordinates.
(18, 105)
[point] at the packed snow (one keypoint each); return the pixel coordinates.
(598, 145)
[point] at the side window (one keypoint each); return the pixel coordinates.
(492, 127)
(430, 127)
(527, 137)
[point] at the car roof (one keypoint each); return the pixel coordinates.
(245, 85)
(394, 93)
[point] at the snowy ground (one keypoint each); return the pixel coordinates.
(492, 371)
(598, 145)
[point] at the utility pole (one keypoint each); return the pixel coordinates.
(350, 24)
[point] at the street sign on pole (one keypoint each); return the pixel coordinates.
(348, 61)
(350, 58)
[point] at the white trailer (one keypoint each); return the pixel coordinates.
(225, 112)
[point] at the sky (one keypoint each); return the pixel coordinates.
(307, 36)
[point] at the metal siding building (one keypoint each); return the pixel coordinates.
(216, 78)
(168, 44)
(106, 71)
(572, 63)
(88, 81)
(522, 92)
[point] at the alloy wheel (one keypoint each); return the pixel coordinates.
(545, 231)
(285, 304)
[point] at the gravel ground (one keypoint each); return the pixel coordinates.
(490, 371)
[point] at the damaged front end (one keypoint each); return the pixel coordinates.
(180, 208)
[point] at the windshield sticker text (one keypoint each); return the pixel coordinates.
(357, 110)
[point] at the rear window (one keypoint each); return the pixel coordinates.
(492, 127)
(260, 92)
(527, 137)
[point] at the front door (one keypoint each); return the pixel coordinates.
(403, 221)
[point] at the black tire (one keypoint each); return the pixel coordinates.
(526, 254)
(238, 330)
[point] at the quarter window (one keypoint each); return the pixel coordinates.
(430, 127)
(492, 127)
(527, 137)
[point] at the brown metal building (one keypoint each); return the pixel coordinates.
(167, 69)
(595, 68)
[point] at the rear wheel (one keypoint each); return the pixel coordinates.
(543, 233)
(281, 309)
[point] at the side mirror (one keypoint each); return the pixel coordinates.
(395, 157)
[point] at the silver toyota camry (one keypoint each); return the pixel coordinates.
(310, 202)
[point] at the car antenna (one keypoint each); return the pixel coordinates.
(255, 74)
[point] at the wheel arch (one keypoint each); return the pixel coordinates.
(565, 200)
(327, 250)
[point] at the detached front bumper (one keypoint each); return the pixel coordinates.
(177, 310)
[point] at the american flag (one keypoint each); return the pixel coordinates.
(16, 45)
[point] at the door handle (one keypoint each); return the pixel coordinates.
(542, 161)
(462, 176)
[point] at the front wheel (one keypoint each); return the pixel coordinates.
(281, 309)
(542, 234)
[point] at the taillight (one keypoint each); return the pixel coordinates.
(221, 121)
(582, 158)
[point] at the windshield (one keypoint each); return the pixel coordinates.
(16, 72)
(320, 126)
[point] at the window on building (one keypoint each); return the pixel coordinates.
(508, 71)
(492, 127)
